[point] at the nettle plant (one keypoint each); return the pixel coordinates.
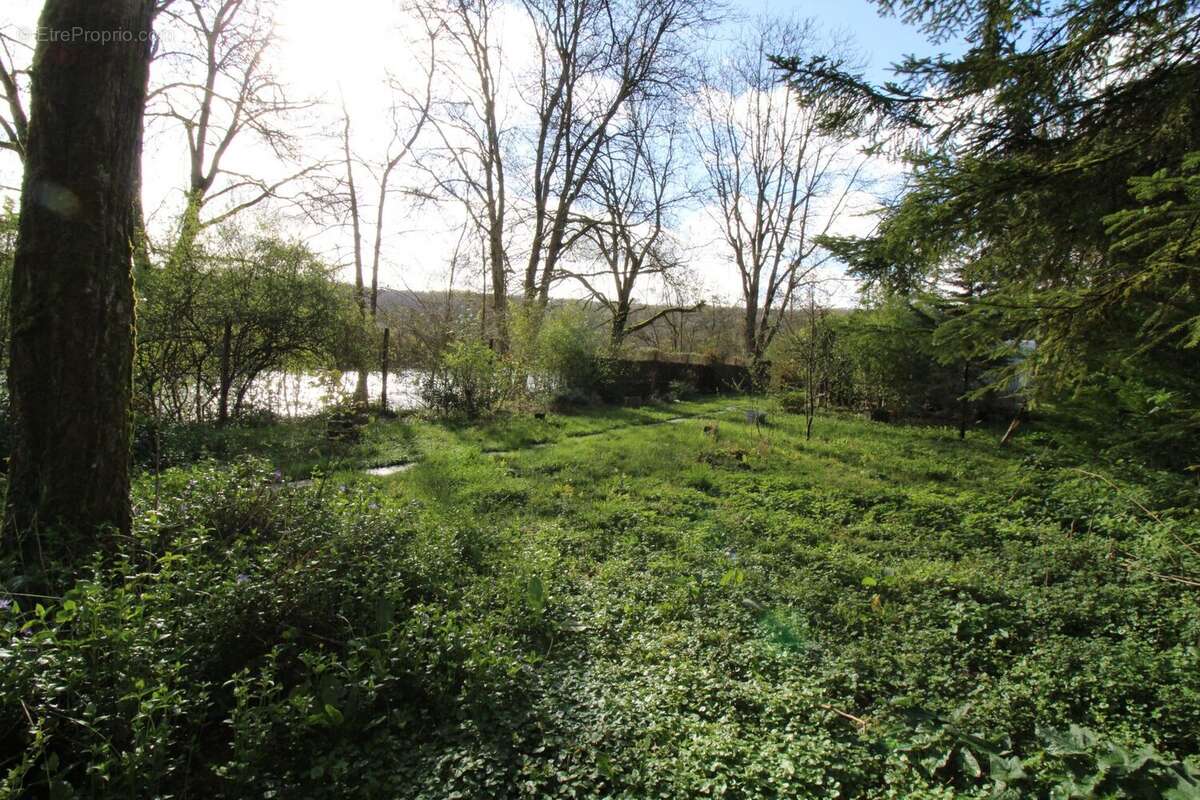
(1070, 764)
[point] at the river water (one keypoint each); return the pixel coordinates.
(305, 394)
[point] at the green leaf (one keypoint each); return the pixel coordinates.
(734, 577)
(1183, 791)
(1005, 770)
(535, 592)
(385, 615)
(970, 763)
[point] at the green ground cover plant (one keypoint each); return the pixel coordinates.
(298, 447)
(700, 609)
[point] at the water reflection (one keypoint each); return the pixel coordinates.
(305, 394)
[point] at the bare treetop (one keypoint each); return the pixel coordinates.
(627, 215)
(215, 81)
(776, 184)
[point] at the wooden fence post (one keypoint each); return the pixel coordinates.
(387, 336)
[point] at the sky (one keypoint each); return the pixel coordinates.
(881, 41)
(341, 53)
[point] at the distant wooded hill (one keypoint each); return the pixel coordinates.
(421, 322)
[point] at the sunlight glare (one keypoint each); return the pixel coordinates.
(346, 49)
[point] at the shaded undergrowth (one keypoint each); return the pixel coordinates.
(657, 612)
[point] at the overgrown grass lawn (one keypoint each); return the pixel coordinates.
(300, 447)
(657, 611)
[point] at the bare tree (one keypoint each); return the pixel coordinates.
(409, 115)
(14, 73)
(360, 297)
(816, 357)
(676, 332)
(219, 88)
(471, 163)
(408, 121)
(595, 56)
(625, 216)
(591, 59)
(775, 183)
(72, 294)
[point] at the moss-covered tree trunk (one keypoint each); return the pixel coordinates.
(72, 297)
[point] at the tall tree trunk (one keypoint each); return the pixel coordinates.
(499, 286)
(361, 395)
(810, 383)
(753, 345)
(360, 293)
(72, 298)
(750, 331)
(385, 366)
(189, 230)
(226, 373)
(620, 319)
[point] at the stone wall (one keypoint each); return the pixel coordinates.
(648, 373)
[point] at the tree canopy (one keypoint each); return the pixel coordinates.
(1054, 172)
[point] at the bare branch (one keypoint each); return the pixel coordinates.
(776, 183)
(218, 90)
(15, 119)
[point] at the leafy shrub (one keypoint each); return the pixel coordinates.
(345, 422)
(250, 639)
(571, 350)
(471, 380)
(792, 401)
(1072, 764)
(563, 353)
(651, 613)
(682, 390)
(243, 304)
(883, 357)
(1147, 415)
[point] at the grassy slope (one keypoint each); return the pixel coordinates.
(713, 606)
(644, 613)
(299, 447)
